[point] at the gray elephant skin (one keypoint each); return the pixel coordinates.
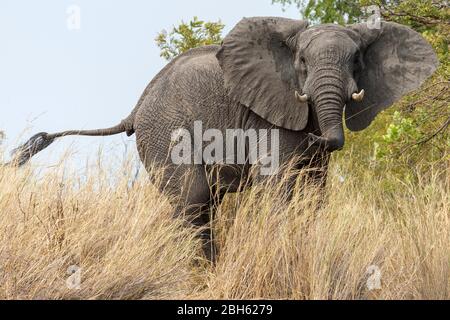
(269, 73)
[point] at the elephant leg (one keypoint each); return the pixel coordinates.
(319, 163)
(202, 220)
(314, 176)
(318, 175)
(195, 205)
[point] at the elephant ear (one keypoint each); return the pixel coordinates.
(258, 67)
(397, 60)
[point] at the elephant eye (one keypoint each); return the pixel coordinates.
(356, 61)
(356, 64)
(303, 64)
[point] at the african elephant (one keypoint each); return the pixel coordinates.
(275, 74)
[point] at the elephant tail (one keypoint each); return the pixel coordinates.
(37, 143)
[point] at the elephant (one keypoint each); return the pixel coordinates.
(269, 73)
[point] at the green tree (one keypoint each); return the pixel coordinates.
(192, 34)
(327, 11)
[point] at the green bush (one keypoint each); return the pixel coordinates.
(192, 34)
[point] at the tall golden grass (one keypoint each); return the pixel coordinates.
(364, 242)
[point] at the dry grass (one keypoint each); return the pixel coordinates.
(127, 246)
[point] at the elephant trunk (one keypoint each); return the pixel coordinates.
(329, 104)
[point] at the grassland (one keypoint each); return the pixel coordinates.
(365, 242)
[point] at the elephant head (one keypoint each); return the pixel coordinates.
(282, 69)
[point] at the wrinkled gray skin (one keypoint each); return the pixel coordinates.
(250, 82)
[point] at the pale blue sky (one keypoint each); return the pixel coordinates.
(52, 79)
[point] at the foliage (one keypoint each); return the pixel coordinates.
(188, 35)
(327, 11)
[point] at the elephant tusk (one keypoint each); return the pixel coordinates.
(301, 99)
(358, 97)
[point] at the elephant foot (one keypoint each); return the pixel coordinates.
(209, 245)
